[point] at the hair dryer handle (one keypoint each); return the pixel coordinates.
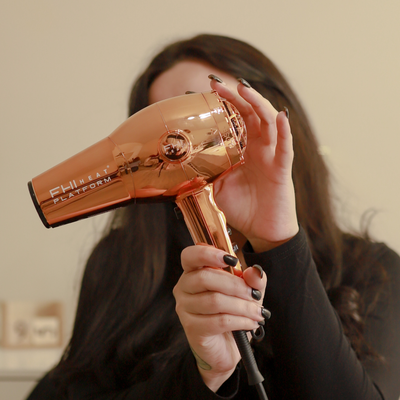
(205, 221)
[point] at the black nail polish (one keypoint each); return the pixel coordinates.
(286, 112)
(265, 313)
(261, 323)
(189, 92)
(255, 294)
(260, 270)
(244, 82)
(230, 260)
(215, 78)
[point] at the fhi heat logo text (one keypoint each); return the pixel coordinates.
(72, 189)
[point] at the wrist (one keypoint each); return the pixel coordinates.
(261, 245)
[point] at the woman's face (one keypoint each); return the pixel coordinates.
(186, 76)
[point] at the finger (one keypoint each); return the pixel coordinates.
(199, 256)
(215, 280)
(232, 96)
(264, 110)
(246, 111)
(284, 149)
(211, 303)
(211, 325)
(256, 278)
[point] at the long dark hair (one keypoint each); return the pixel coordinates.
(125, 321)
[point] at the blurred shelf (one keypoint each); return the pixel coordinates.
(27, 364)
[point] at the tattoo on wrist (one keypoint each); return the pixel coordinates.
(200, 362)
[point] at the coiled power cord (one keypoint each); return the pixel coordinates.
(249, 362)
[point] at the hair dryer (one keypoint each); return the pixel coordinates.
(171, 150)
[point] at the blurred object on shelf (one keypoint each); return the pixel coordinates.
(31, 324)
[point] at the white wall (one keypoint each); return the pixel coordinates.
(67, 66)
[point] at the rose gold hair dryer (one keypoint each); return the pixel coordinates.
(171, 150)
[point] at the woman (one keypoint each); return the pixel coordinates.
(334, 297)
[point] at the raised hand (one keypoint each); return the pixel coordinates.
(258, 197)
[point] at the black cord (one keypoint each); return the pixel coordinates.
(253, 374)
(261, 391)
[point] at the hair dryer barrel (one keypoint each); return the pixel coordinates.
(88, 183)
(163, 151)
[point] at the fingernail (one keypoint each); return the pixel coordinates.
(189, 92)
(215, 78)
(261, 323)
(244, 82)
(265, 313)
(255, 294)
(260, 270)
(286, 112)
(230, 260)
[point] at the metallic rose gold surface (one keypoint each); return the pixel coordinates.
(205, 221)
(171, 150)
(85, 183)
(168, 149)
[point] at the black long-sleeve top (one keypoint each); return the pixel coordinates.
(305, 355)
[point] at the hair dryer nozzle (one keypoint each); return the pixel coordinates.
(37, 205)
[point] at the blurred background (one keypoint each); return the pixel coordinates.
(67, 68)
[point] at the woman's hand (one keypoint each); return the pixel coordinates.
(211, 303)
(263, 209)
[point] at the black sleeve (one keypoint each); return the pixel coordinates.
(181, 382)
(312, 357)
(45, 389)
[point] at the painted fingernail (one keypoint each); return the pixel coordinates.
(286, 112)
(215, 78)
(261, 323)
(265, 313)
(255, 294)
(244, 82)
(230, 260)
(260, 270)
(189, 92)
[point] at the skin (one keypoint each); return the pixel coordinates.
(210, 302)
